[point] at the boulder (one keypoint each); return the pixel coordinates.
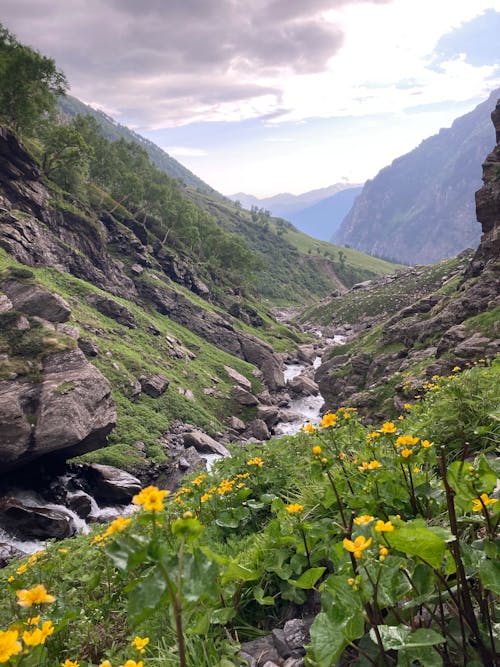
(204, 443)
(307, 353)
(113, 309)
(238, 378)
(258, 429)
(5, 303)
(7, 553)
(237, 424)
(155, 385)
(269, 414)
(244, 397)
(88, 348)
(35, 301)
(111, 484)
(35, 522)
(70, 411)
(80, 502)
(303, 386)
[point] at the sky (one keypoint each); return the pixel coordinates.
(269, 96)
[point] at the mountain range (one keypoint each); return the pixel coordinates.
(420, 209)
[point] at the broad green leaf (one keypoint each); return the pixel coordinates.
(261, 598)
(308, 578)
(198, 577)
(489, 573)
(222, 616)
(236, 572)
(487, 477)
(423, 657)
(416, 539)
(397, 637)
(327, 641)
(145, 597)
(126, 552)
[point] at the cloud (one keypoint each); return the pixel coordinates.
(184, 151)
(181, 60)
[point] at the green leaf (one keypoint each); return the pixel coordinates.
(489, 573)
(198, 577)
(262, 599)
(396, 637)
(236, 572)
(416, 539)
(126, 552)
(145, 597)
(222, 616)
(308, 578)
(423, 657)
(332, 632)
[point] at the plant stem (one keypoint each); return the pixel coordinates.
(339, 502)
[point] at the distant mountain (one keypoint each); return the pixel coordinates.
(285, 204)
(420, 209)
(321, 220)
(112, 130)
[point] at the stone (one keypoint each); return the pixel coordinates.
(35, 522)
(296, 633)
(5, 303)
(22, 323)
(89, 348)
(8, 553)
(238, 378)
(258, 429)
(154, 385)
(69, 330)
(307, 353)
(187, 393)
(294, 662)
(261, 650)
(237, 424)
(202, 442)
(243, 397)
(137, 269)
(80, 502)
(303, 386)
(113, 309)
(111, 484)
(35, 301)
(269, 414)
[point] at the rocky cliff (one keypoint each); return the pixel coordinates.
(420, 209)
(451, 323)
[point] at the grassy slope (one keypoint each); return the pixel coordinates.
(126, 354)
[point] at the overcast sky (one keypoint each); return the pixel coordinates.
(266, 96)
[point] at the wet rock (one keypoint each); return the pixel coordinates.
(244, 397)
(269, 414)
(113, 309)
(31, 522)
(8, 553)
(111, 484)
(155, 385)
(307, 353)
(204, 443)
(238, 378)
(303, 386)
(80, 502)
(296, 633)
(33, 300)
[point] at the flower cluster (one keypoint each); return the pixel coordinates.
(151, 498)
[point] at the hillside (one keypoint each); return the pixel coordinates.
(420, 209)
(321, 220)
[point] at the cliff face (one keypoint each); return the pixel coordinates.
(420, 209)
(444, 328)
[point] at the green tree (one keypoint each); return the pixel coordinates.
(66, 156)
(29, 84)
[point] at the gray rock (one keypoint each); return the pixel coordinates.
(243, 397)
(35, 522)
(80, 502)
(237, 424)
(280, 643)
(303, 386)
(204, 443)
(187, 393)
(33, 300)
(5, 303)
(155, 385)
(261, 650)
(111, 484)
(294, 662)
(296, 633)
(113, 309)
(258, 429)
(238, 378)
(269, 414)
(22, 323)
(88, 348)
(137, 269)
(8, 553)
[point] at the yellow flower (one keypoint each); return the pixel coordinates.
(406, 452)
(256, 461)
(308, 428)
(369, 466)
(383, 552)
(330, 419)
(116, 526)
(346, 415)
(455, 369)
(106, 663)
(33, 637)
(407, 406)
(63, 551)
(406, 440)
(351, 581)
(139, 643)
(426, 444)
(324, 461)
(199, 480)
(382, 527)
(31, 596)
(11, 579)
(373, 434)
(388, 427)
(22, 569)
(316, 450)
(205, 497)
(9, 645)
(416, 469)
(151, 498)
(70, 663)
(363, 519)
(342, 456)
(294, 508)
(358, 546)
(34, 620)
(477, 506)
(133, 663)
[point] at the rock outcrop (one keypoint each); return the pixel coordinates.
(70, 411)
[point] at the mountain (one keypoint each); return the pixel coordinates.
(70, 106)
(321, 220)
(285, 205)
(420, 209)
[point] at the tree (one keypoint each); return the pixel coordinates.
(66, 156)
(29, 84)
